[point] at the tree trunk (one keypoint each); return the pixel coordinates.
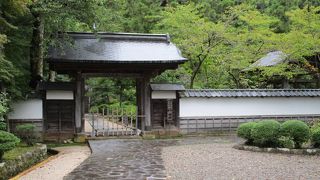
(197, 69)
(36, 51)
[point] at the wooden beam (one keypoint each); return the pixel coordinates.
(121, 75)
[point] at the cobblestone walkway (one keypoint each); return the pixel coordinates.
(123, 159)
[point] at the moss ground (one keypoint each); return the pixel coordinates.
(17, 151)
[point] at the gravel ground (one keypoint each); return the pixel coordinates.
(68, 159)
(207, 159)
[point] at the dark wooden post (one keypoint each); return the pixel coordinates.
(144, 102)
(78, 102)
(140, 111)
(147, 102)
(82, 103)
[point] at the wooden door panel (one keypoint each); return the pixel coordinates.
(59, 116)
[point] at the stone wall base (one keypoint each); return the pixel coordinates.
(278, 150)
(11, 168)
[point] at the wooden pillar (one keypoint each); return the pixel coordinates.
(82, 103)
(78, 102)
(147, 103)
(139, 100)
(144, 102)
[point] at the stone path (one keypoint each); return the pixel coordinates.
(123, 159)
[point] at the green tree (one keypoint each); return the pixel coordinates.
(197, 37)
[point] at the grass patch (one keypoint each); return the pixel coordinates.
(54, 145)
(18, 151)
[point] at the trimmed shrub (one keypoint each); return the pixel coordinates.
(3, 126)
(315, 137)
(7, 142)
(286, 142)
(26, 132)
(266, 133)
(297, 130)
(244, 131)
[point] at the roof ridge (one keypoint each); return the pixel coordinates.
(119, 35)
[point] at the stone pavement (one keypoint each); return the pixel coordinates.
(123, 159)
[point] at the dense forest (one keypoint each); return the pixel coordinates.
(220, 38)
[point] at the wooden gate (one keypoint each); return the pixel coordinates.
(113, 122)
(59, 119)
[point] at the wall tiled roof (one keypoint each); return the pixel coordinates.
(250, 93)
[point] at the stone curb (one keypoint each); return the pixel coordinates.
(13, 167)
(278, 150)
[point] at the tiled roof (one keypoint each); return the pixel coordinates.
(116, 48)
(250, 93)
(271, 59)
(167, 87)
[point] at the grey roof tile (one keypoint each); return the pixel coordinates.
(117, 48)
(250, 93)
(271, 59)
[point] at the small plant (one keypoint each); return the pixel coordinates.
(244, 131)
(7, 142)
(3, 126)
(286, 142)
(315, 137)
(266, 133)
(26, 132)
(297, 130)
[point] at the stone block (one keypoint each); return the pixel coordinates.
(80, 138)
(148, 136)
(12, 167)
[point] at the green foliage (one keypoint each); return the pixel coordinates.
(111, 92)
(4, 107)
(266, 133)
(244, 131)
(297, 130)
(315, 137)
(3, 126)
(7, 142)
(286, 142)
(221, 39)
(26, 132)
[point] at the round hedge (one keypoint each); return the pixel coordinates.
(315, 137)
(7, 142)
(266, 133)
(297, 130)
(244, 131)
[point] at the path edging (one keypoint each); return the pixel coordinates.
(12, 167)
(313, 151)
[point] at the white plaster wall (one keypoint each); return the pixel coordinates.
(59, 94)
(249, 106)
(29, 109)
(163, 95)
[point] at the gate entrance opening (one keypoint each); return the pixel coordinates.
(137, 56)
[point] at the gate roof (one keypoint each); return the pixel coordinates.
(114, 48)
(117, 48)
